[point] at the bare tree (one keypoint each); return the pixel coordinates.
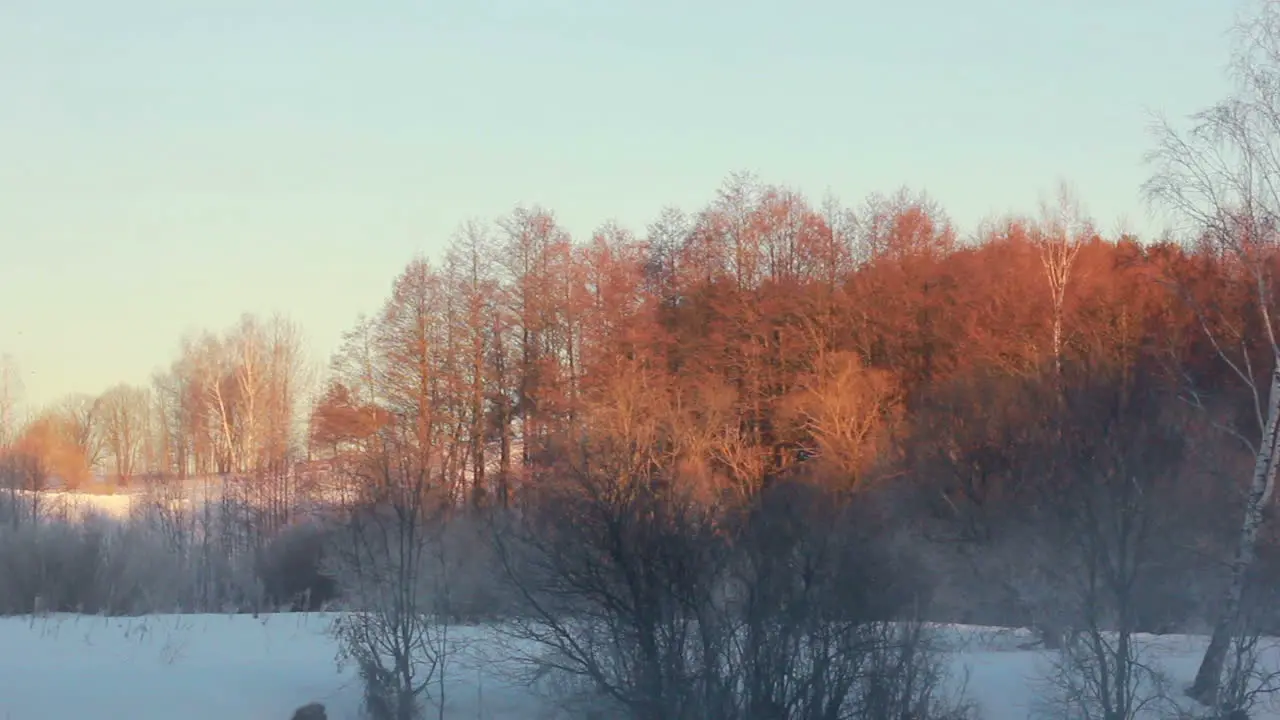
(469, 272)
(125, 411)
(287, 377)
(1106, 500)
(214, 368)
(640, 599)
(405, 470)
(1222, 177)
(534, 252)
(84, 418)
(269, 373)
(247, 353)
(613, 574)
(395, 634)
(1062, 231)
(846, 409)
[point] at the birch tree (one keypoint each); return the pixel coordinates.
(1221, 178)
(248, 365)
(1061, 234)
(214, 404)
(287, 375)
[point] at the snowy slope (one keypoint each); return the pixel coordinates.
(216, 667)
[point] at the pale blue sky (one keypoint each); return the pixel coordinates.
(169, 164)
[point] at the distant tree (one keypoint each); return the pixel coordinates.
(1059, 237)
(50, 454)
(847, 411)
(340, 424)
(905, 225)
(125, 411)
(535, 257)
(83, 414)
(471, 281)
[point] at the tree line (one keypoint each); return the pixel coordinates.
(962, 384)
(229, 403)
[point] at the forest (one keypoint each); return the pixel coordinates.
(769, 433)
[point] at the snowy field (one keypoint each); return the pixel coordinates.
(122, 504)
(218, 667)
(75, 506)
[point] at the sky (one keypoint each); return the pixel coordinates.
(167, 165)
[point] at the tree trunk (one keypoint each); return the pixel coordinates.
(1209, 676)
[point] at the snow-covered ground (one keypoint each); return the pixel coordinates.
(215, 667)
(76, 506)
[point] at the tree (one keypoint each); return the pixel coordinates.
(83, 414)
(845, 409)
(637, 594)
(273, 491)
(383, 563)
(471, 283)
(265, 358)
(1061, 233)
(1223, 178)
(1105, 495)
(43, 453)
(339, 425)
(403, 436)
(49, 441)
(905, 225)
(125, 411)
(535, 252)
(177, 426)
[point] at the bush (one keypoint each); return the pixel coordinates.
(647, 601)
(48, 568)
(103, 566)
(290, 569)
(96, 566)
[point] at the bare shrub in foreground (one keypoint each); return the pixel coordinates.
(394, 572)
(657, 606)
(615, 579)
(1108, 497)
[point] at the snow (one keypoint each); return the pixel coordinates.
(213, 667)
(75, 505)
(201, 667)
(218, 666)
(192, 494)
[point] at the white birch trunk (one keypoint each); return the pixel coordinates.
(1205, 687)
